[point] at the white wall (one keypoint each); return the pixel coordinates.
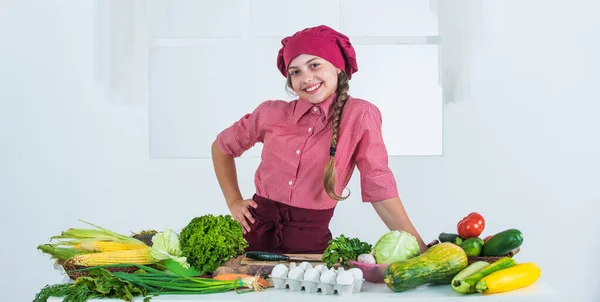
(523, 150)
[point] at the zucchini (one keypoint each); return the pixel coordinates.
(450, 237)
(438, 265)
(467, 272)
(518, 276)
(267, 256)
(502, 243)
(468, 284)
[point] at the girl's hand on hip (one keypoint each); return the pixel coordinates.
(239, 212)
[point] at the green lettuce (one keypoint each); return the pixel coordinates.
(209, 240)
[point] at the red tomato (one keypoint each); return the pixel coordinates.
(471, 226)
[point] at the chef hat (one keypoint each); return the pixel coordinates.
(320, 41)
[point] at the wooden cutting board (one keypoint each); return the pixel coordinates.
(243, 265)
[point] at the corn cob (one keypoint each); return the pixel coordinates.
(136, 256)
(108, 246)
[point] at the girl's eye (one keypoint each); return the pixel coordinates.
(294, 72)
(314, 65)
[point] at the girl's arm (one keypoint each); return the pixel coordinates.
(227, 177)
(226, 174)
(394, 216)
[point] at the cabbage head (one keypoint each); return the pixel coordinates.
(395, 246)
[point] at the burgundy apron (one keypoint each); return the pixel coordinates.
(281, 228)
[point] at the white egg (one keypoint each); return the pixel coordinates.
(312, 275)
(296, 273)
(328, 277)
(357, 273)
(279, 271)
(333, 270)
(324, 269)
(344, 278)
(318, 267)
(340, 269)
(292, 265)
(305, 265)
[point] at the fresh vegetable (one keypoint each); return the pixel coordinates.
(395, 246)
(512, 278)
(137, 256)
(366, 258)
(99, 283)
(439, 264)
(341, 249)
(178, 269)
(472, 246)
(108, 246)
(209, 240)
(487, 238)
(267, 256)
(450, 237)
(60, 253)
(165, 245)
(468, 284)
(471, 225)
(502, 243)
(467, 272)
(232, 277)
(78, 236)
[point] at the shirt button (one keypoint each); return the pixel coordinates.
(290, 183)
(309, 129)
(315, 109)
(298, 151)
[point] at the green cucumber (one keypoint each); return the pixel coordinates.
(467, 285)
(450, 237)
(502, 243)
(467, 272)
(266, 256)
(472, 246)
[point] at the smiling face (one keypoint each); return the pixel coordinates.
(312, 78)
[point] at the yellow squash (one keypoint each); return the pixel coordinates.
(517, 276)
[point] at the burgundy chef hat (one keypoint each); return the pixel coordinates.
(321, 41)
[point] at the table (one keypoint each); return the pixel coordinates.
(538, 292)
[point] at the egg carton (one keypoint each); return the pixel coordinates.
(314, 286)
(311, 279)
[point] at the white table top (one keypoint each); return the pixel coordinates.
(538, 292)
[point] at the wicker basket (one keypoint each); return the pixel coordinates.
(70, 269)
(488, 259)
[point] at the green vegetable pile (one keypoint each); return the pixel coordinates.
(341, 249)
(209, 240)
(98, 284)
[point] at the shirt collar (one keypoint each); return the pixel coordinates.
(303, 106)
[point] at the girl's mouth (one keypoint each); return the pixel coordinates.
(313, 89)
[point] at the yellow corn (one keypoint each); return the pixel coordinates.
(136, 256)
(108, 246)
(514, 277)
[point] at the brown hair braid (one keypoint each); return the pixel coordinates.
(329, 177)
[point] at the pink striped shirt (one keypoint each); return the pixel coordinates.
(296, 137)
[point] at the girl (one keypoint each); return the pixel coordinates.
(310, 148)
